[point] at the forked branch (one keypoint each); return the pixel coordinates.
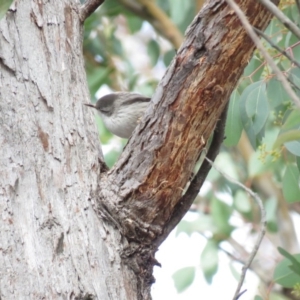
(88, 8)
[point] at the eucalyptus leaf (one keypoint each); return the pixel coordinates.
(182, 13)
(248, 99)
(290, 182)
(276, 93)
(153, 52)
(254, 69)
(291, 258)
(292, 121)
(241, 202)
(287, 136)
(283, 274)
(168, 56)
(271, 210)
(134, 23)
(183, 278)
(234, 127)
(209, 260)
(293, 147)
(257, 107)
(221, 213)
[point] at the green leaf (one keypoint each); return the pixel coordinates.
(241, 202)
(253, 69)
(210, 260)
(257, 107)
(168, 57)
(257, 297)
(104, 135)
(111, 8)
(203, 223)
(182, 13)
(4, 6)
(226, 164)
(276, 93)
(295, 263)
(234, 127)
(292, 121)
(271, 210)
(183, 278)
(290, 182)
(221, 213)
(298, 162)
(111, 157)
(235, 273)
(153, 52)
(273, 31)
(97, 78)
(164, 5)
(256, 166)
(294, 76)
(293, 147)
(117, 47)
(248, 95)
(290, 39)
(288, 136)
(295, 16)
(134, 23)
(296, 54)
(284, 276)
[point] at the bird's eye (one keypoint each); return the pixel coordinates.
(105, 110)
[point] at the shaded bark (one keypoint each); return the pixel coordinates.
(53, 244)
(141, 193)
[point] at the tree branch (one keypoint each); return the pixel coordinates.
(188, 198)
(281, 17)
(263, 51)
(145, 185)
(157, 18)
(88, 8)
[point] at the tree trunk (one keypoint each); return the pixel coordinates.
(69, 230)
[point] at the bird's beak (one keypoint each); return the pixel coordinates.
(90, 105)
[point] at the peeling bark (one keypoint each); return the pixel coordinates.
(141, 193)
(69, 229)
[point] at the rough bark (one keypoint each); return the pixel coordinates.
(140, 194)
(53, 245)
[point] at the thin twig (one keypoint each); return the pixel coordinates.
(88, 8)
(283, 52)
(271, 7)
(240, 294)
(263, 51)
(261, 234)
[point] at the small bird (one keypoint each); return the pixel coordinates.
(121, 111)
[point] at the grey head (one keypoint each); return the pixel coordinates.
(108, 104)
(105, 104)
